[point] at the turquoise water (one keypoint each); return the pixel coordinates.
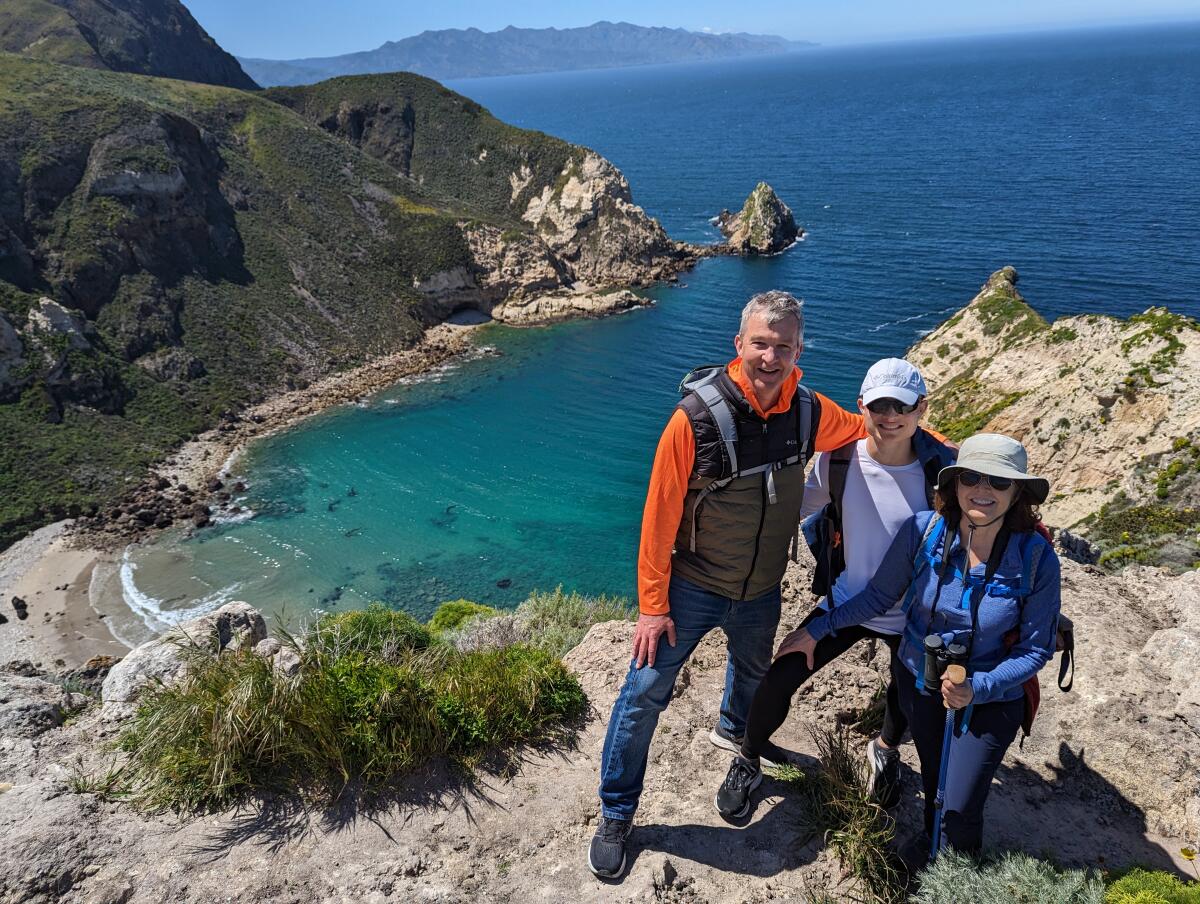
(918, 169)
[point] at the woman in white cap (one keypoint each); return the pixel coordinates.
(976, 573)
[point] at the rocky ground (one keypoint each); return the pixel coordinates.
(1109, 777)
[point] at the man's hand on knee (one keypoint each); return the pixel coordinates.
(646, 634)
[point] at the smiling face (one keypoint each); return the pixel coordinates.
(891, 430)
(768, 354)
(983, 503)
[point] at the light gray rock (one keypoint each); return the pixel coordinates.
(764, 225)
(49, 318)
(233, 626)
(32, 706)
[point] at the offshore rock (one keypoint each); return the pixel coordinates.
(233, 626)
(764, 225)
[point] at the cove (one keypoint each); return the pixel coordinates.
(917, 170)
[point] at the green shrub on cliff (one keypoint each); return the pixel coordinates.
(1141, 886)
(454, 613)
(375, 695)
(558, 621)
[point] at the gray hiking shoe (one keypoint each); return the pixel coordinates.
(606, 855)
(883, 785)
(770, 756)
(733, 797)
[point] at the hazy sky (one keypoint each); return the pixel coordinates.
(294, 28)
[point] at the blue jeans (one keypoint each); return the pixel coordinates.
(750, 630)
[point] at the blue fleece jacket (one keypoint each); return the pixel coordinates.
(997, 672)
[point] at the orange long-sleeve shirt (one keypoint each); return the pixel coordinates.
(673, 461)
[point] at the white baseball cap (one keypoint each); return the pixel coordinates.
(893, 378)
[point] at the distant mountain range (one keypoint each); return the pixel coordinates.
(470, 53)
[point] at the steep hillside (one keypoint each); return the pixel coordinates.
(170, 251)
(469, 53)
(150, 37)
(1109, 410)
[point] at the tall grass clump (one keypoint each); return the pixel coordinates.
(837, 807)
(1140, 886)
(374, 696)
(557, 621)
(1012, 878)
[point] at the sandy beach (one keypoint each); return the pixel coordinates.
(52, 576)
(51, 569)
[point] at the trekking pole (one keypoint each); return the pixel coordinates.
(957, 675)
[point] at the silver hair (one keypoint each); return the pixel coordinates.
(775, 306)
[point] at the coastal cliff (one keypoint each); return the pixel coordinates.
(1109, 769)
(172, 252)
(1109, 410)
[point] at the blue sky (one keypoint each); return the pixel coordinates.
(294, 28)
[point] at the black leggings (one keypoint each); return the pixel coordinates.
(773, 698)
(974, 757)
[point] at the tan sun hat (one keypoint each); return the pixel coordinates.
(998, 456)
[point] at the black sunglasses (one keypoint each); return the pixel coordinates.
(973, 478)
(883, 406)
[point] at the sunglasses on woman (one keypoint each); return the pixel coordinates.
(973, 479)
(883, 406)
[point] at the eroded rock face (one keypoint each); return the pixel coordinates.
(765, 225)
(382, 129)
(589, 220)
(234, 625)
(1097, 401)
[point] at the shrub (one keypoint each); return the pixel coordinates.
(838, 808)
(375, 695)
(451, 615)
(1013, 878)
(557, 621)
(1141, 886)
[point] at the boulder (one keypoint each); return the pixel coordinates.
(30, 706)
(233, 626)
(764, 225)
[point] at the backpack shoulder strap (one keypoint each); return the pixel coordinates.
(839, 465)
(808, 420)
(710, 395)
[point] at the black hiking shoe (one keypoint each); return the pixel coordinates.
(606, 856)
(770, 756)
(883, 785)
(733, 797)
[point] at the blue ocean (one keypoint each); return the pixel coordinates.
(917, 169)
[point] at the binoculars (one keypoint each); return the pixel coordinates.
(939, 655)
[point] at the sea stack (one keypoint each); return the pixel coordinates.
(764, 225)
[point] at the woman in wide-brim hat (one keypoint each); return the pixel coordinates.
(978, 573)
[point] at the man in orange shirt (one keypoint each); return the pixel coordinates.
(722, 512)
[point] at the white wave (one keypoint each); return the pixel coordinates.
(149, 609)
(941, 313)
(234, 517)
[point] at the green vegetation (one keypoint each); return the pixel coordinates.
(838, 810)
(1141, 886)
(557, 621)
(1158, 325)
(1061, 334)
(453, 614)
(961, 421)
(1012, 878)
(443, 140)
(1002, 311)
(375, 696)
